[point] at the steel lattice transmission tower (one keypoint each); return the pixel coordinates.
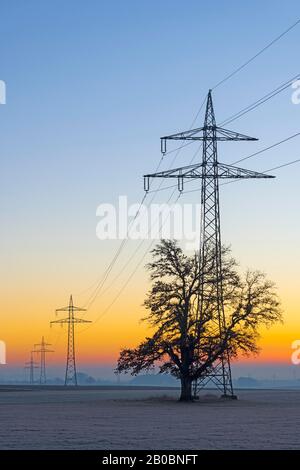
(210, 171)
(31, 365)
(71, 320)
(42, 351)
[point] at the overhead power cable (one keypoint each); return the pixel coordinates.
(259, 152)
(234, 117)
(241, 67)
(108, 270)
(106, 310)
(237, 180)
(261, 101)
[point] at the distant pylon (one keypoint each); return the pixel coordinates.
(42, 351)
(210, 171)
(71, 374)
(31, 365)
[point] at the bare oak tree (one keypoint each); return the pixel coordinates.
(185, 344)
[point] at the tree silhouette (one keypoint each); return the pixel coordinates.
(182, 343)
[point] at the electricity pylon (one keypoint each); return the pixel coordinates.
(71, 320)
(210, 171)
(31, 365)
(42, 351)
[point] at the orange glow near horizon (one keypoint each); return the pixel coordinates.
(100, 343)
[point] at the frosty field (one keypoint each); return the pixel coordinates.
(120, 418)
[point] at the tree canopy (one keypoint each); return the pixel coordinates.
(184, 343)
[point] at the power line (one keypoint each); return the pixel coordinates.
(260, 101)
(185, 192)
(103, 279)
(265, 171)
(141, 243)
(132, 256)
(271, 169)
(276, 144)
(176, 151)
(175, 185)
(249, 108)
(234, 73)
(241, 67)
(259, 152)
(209, 171)
(105, 311)
(116, 256)
(178, 148)
(283, 165)
(267, 148)
(243, 111)
(98, 289)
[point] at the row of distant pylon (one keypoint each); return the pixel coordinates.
(42, 349)
(71, 373)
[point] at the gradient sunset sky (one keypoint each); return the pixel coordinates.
(91, 86)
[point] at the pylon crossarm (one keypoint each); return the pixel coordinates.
(207, 133)
(43, 350)
(230, 171)
(66, 309)
(188, 171)
(80, 320)
(68, 320)
(184, 135)
(62, 320)
(204, 171)
(225, 134)
(196, 171)
(221, 134)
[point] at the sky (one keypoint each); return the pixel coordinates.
(91, 86)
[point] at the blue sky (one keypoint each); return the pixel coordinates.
(91, 86)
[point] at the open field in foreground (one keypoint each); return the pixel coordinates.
(120, 418)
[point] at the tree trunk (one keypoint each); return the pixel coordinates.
(186, 389)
